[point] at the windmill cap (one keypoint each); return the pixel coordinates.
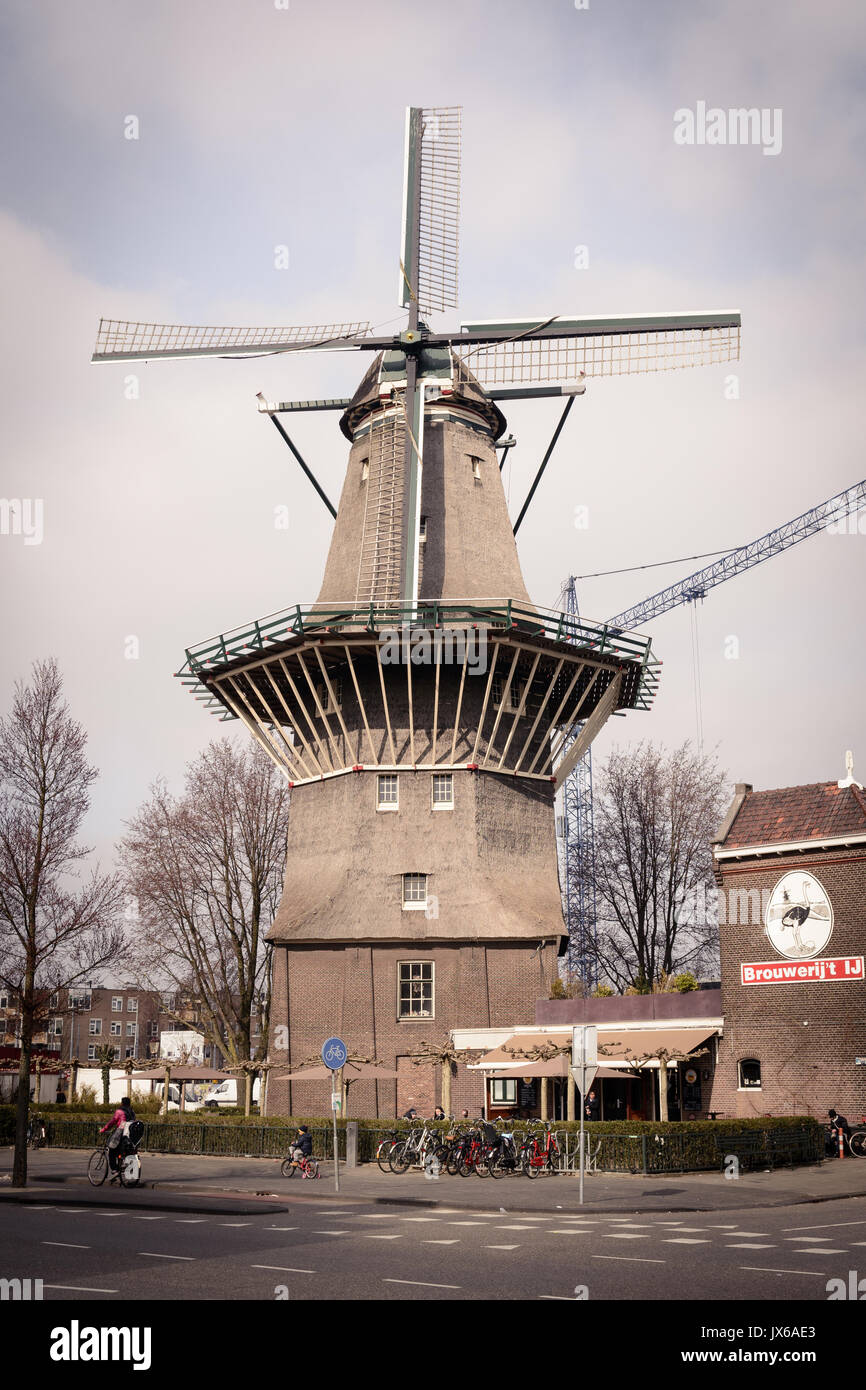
(433, 362)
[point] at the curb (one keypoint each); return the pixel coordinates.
(218, 1204)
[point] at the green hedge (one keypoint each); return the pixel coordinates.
(615, 1145)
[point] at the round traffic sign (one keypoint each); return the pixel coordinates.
(334, 1053)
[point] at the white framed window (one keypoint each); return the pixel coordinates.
(475, 464)
(54, 1000)
(129, 1052)
(55, 1027)
(515, 693)
(95, 1027)
(153, 1029)
(117, 1003)
(365, 470)
(91, 1052)
(415, 989)
(387, 792)
(503, 1092)
(443, 791)
(414, 891)
(130, 1030)
(132, 1006)
(79, 999)
(116, 1030)
(324, 696)
(749, 1074)
(166, 1003)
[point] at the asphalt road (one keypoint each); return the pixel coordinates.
(359, 1251)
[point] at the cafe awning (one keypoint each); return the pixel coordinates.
(180, 1071)
(636, 1047)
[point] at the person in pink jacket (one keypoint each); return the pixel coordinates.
(121, 1117)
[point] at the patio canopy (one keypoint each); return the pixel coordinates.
(181, 1071)
(352, 1071)
(625, 1046)
(555, 1066)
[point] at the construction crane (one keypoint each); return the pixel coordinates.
(576, 821)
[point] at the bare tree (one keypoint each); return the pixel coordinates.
(655, 814)
(205, 871)
(54, 931)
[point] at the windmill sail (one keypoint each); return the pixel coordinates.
(121, 341)
(431, 220)
(560, 350)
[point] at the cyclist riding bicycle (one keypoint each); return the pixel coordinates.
(122, 1117)
(303, 1145)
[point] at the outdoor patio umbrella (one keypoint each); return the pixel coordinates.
(181, 1072)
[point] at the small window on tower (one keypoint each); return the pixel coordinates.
(365, 470)
(476, 467)
(422, 531)
(414, 891)
(443, 791)
(387, 792)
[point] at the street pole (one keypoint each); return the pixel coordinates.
(334, 1097)
(582, 1119)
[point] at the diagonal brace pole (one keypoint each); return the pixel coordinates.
(275, 422)
(544, 462)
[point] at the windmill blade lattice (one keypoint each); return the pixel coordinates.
(118, 340)
(539, 359)
(439, 229)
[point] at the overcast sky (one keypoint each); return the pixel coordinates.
(262, 126)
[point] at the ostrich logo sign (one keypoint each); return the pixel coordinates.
(799, 918)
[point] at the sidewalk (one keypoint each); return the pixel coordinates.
(172, 1181)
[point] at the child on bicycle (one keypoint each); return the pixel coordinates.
(303, 1145)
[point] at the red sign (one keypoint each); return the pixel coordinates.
(778, 972)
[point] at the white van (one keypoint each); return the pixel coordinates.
(226, 1093)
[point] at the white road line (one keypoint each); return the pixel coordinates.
(189, 1220)
(764, 1269)
(282, 1228)
(749, 1234)
(829, 1225)
(77, 1288)
(503, 1247)
(570, 1231)
(418, 1218)
(813, 1251)
(686, 1240)
(284, 1269)
(499, 1228)
(742, 1245)
(557, 1298)
(148, 1218)
(67, 1245)
(154, 1255)
(377, 1216)
(420, 1284)
(714, 1227)
(33, 1207)
(236, 1223)
(455, 1241)
(109, 1213)
(398, 1236)
(484, 1223)
(632, 1259)
(801, 1240)
(624, 1235)
(693, 1230)
(329, 1233)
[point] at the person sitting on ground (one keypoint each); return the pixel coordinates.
(123, 1115)
(838, 1125)
(303, 1145)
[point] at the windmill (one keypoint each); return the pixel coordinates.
(456, 890)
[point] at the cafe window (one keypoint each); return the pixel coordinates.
(749, 1074)
(503, 1092)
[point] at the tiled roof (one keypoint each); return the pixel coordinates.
(822, 811)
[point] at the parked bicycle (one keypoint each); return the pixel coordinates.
(540, 1154)
(37, 1135)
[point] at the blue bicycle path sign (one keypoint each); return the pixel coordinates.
(334, 1053)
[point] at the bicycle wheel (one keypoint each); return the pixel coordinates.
(532, 1163)
(497, 1166)
(129, 1169)
(312, 1168)
(97, 1167)
(857, 1143)
(482, 1164)
(287, 1168)
(400, 1158)
(382, 1154)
